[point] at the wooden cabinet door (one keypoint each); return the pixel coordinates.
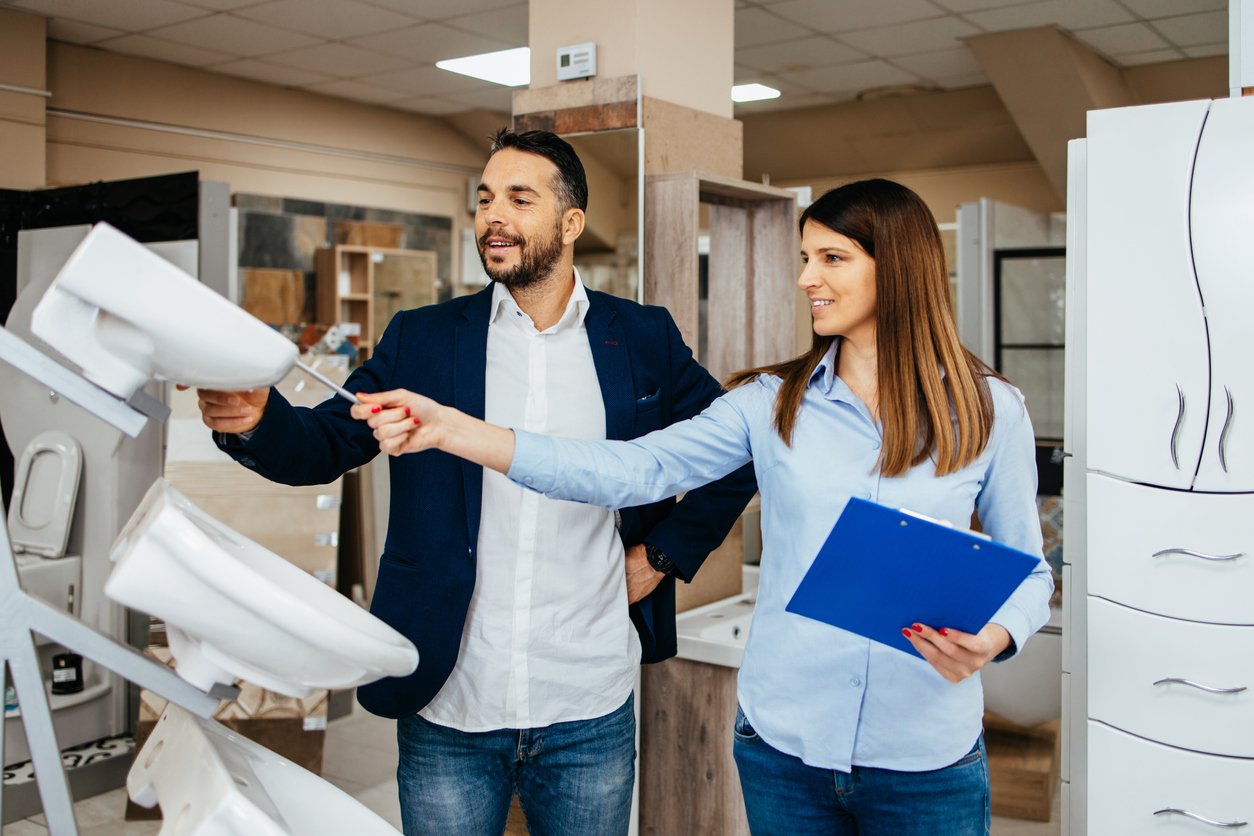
(1222, 221)
(1148, 385)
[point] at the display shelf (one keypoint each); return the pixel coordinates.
(369, 285)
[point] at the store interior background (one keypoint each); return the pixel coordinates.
(328, 120)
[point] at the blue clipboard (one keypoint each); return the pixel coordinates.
(881, 570)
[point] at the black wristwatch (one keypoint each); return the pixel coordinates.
(658, 559)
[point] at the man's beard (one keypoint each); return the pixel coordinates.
(535, 262)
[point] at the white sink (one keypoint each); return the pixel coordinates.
(716, 633)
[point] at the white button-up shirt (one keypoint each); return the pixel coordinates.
(547, 637)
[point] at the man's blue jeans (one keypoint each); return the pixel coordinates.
(785, 796)
(573, 779)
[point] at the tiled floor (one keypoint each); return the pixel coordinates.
(360, 758)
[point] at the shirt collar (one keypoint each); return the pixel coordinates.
(824, 376)
(573, 317)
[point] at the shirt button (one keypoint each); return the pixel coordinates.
(875, 445)
(530, 480)
(866, 494)
(855, 682)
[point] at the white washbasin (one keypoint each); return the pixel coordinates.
(716, 633)
(125, 315)
(234, 609)
(211, 781)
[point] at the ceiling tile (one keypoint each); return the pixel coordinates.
(130, 16)
(331, 19)
(962, 81)
(1116, 40)
(851, 78)
(794, 56)
(440, 9)
(337, 60)
(426, 81)
(963, 6)
(754, 26)
(150, 47)
(906, 38)
(1069, 14)
(783, 103)
(74, 32)
(1206, 50)
(506, 25)
(356, 91)
(1194, 30)
(946, 63)
(1154, 56)
(220, 5)
(827, 16)
(433, 41)
(429, 106)
(233, 34)
(501, 99)
(270, 73)
(1164, 8)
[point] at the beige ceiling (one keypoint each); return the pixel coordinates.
(815, 51)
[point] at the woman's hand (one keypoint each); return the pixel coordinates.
(404, 422)
(955, 654)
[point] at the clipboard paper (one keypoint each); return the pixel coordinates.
(882, 569)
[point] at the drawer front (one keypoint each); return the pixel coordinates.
(1177, 682)
(1178, 554)
(1133, 779)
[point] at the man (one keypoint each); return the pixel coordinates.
(527, 652)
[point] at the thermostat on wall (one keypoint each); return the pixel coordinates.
(576, 61)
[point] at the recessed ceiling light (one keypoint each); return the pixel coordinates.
(511, 67)
(753, 93)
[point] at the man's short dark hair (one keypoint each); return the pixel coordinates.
(570, 184)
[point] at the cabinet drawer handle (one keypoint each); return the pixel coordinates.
(1175, 432)
(1201, 555)
(1223, 436)
(1199, 686)
(1212, 822)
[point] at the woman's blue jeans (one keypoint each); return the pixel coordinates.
(784, 796)
(573, 779)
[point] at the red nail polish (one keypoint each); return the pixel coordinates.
(944, 632)
(376, 409)
(406, 412)
(905, 632)
(417, 422)
(916, 628)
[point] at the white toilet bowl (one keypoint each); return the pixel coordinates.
(211, 781)
(235, 609)
(1027, 690)
(125, 315)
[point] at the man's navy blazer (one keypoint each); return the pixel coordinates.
(648, 379)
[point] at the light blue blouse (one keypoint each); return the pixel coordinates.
(829, 697)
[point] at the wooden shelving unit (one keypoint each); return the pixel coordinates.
(369, 285)
(751, 297)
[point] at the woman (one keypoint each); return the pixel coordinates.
(836, 734)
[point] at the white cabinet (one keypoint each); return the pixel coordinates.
(1147, 395)
(1160, 704)
(1222, 224)
(1150, 788)
(1176, 553)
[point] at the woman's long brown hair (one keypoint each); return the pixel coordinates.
(934, 398)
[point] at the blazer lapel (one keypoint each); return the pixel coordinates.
(608, 341)
(470, 361)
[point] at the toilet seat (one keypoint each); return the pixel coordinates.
(234, 609)
(211, 781)
(45, 490)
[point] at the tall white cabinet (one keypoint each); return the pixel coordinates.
(1159, 661)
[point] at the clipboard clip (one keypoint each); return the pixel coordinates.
(944, 523)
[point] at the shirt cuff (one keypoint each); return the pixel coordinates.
(1017, 625)
(535, 462)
